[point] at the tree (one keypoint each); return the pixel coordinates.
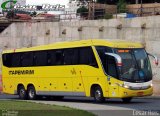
(101, 1)
(121, 6)
(83, 11)
(10, 14)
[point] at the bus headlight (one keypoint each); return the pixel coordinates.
(126, 86)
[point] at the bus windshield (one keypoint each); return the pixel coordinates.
(135, 65)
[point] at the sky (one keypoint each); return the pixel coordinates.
(40, 2)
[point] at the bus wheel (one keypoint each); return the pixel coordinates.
(98, 94)
(31, 93)
(127, 100)
(22, 92)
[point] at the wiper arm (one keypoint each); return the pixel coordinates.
(131, 70)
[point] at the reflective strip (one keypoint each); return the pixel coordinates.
(60, 93)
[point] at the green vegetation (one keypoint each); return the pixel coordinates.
(83, 11)
(108, 16)
(121, 6)
(101, 1)
(38, 109)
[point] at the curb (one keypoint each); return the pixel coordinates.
(148, 97)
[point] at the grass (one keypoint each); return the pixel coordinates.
(22, 108)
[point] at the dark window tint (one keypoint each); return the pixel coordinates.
(51, 57)
(16, 60)
(103, 49)
(40, 58)
(87, 57)
(101, 52)
(27, 59)
(68, 56)
(111, 68)
(59, 57)
(7, 59)
(71, 56)
(75, 56)
(108, 62)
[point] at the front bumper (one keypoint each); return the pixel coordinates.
(124, 93)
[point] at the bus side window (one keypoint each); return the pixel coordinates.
(27, 59)
(40, 58)
(59, 57)
(7, 59)
(51, 58)
(68, 56)
(87, 57)
(83, 56)
(75, 56)
(92, 59)
(111, 68)
(16, 60)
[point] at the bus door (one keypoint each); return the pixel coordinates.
(111, 70)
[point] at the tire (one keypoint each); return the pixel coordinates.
(98, 94)
(31, 92)
(127, 100)
(22, 92)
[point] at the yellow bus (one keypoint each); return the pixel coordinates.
(92, 68)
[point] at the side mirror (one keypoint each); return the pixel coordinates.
(117, 57)
(155, 59)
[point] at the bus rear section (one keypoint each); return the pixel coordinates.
(53, 72)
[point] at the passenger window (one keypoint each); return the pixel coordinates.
(40, 58)
(68, 56)
(87, 57)
(59, 57)
(71, 56)
(75, 56)
(7, 60)
(16, 60)
(51, 57)
(27, 59)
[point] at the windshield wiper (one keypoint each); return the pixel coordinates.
(130, 72)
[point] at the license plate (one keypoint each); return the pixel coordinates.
(140, 93)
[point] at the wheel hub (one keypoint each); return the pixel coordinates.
(22, 92)
(97, 94)
(31, 94)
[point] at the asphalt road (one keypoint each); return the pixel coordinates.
(149, 106)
